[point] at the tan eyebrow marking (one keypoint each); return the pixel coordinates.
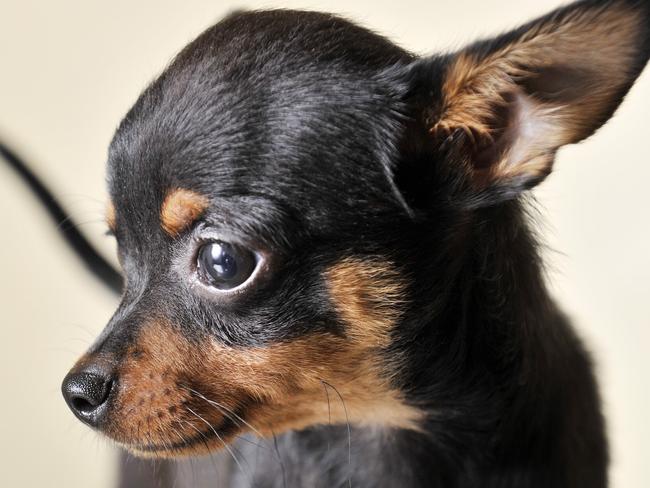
(180, 209)
(110, 216)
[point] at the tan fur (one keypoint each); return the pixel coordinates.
(180, 209)
(315, 379)
(368, 296)
(598, 40)
(110, 217)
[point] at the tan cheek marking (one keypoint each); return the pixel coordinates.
(325, 378)
(315, 379)
(332, 381)
(110, 216)
(368, 295)
(180, 209)
(338, 379)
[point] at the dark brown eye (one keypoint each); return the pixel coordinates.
(225, 266)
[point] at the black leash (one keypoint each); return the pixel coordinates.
(95, 262)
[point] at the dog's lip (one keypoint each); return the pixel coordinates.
(223, 431)
(201, 437)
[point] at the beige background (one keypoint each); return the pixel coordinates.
(68, 72)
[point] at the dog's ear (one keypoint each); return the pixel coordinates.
(513, 101)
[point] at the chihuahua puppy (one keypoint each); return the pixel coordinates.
(324, 238)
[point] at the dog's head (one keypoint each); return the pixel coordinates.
(289, 198)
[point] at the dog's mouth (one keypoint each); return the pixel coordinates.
(202, 439)
(178, 439)
(173, 448)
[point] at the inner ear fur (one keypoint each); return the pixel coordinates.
(521, 96)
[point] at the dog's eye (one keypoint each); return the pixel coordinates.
(224, 265)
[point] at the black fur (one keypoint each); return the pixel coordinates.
(310, 135)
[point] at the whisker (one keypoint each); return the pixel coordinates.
(230, 414)
(207, 446)
(347, 421)
(69, 222)
(227, 411)
(225, 445)
(212, 460)
(329, 413)
(176, 464)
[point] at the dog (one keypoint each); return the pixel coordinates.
(327, 253)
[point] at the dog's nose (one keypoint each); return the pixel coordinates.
(86, 393)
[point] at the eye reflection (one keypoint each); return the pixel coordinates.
(224, 265)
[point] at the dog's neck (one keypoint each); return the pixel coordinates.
(487, 348)
(492, 313)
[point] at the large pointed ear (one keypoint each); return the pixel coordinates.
(514, 100)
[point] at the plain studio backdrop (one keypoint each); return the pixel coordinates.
(69, 72)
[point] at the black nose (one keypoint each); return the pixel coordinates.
(86, 393)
